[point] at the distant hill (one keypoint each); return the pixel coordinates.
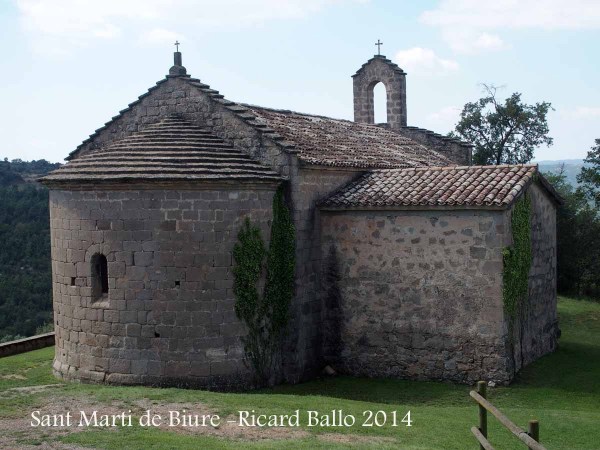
(572, 168)
(25, 275)
(8, 177)
(18, 172)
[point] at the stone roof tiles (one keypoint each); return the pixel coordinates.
(95, 134)
(464, 186)
(382, 58)
(343, 143)
(170, 150)
(439, 136)
(315, 139)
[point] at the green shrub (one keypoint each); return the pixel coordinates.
(265, 315)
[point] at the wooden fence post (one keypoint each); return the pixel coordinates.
(534, 430)
(481, 388)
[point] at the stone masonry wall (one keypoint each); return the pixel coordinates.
(302, 355)
(169, 317)
(457, 151)
(540, 325)
(415, 294)
(307, 185)
(376, 70)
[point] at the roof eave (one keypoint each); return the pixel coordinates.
(359, 167)
(558, 199)
(538, 178)
(141, 184)
(129, 107)
(413, 208)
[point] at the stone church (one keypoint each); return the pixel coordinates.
(399, 243)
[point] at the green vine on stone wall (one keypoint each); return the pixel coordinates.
(266, 315)
(517, 263)
(281, 262)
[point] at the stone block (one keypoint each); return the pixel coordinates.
(119, 365)
(222, 260)
(143, 259)
(133, 329)
(116, 269)
(227, 367)
(139, 367)
(200, 368)
(477, 252)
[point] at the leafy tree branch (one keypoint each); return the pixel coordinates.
(590, 176)
(503, 133)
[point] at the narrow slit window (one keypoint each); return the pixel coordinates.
(99, 276)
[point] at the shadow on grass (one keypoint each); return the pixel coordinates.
(574, 367)
(385, 391)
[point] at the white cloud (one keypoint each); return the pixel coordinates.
(424, 61)
(160, 36)
(446, 114)
(82, 19)
(58, 25)
(467, 24)
(444, 119)
(547, 14)
(582, 112)
(472, 41)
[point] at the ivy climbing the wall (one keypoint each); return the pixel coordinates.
(517, 263)
(281, 262)
(265, 314)
(249, 255)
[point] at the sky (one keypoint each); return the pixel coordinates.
(68, 66)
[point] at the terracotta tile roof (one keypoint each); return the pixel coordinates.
(465, 186)
(335, 142)
(168, 151)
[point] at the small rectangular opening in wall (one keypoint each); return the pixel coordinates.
(99, 268)
(177, 283)
(72, 281)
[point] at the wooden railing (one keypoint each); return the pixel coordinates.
(530, 438)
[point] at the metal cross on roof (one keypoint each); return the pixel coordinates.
(378, 44)
(177, 45)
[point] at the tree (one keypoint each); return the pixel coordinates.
(503, 133)
(578, 240)
(266, 315)
(590, 176)
(25, 263)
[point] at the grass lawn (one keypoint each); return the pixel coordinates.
(562, 390)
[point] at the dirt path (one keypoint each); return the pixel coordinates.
(18, 433)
